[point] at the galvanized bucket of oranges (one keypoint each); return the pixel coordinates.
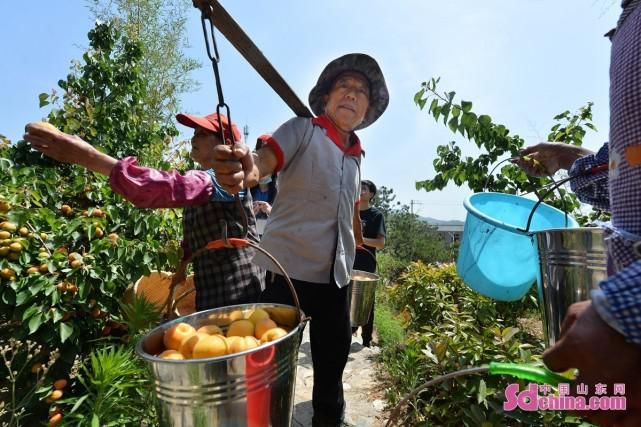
(229, 366)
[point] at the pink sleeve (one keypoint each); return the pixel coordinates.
(151, 188)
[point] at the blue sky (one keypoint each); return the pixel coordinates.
(520, 61)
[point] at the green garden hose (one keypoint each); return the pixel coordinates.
(537, 374)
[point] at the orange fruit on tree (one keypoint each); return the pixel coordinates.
(55, 395)
(7, 273)
(66, 210)
(55, 419)
(60, 384)
(8, 226)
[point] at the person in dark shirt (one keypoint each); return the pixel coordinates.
(373, 225)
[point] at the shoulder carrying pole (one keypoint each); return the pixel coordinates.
(241, 41)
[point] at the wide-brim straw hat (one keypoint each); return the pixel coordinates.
(361, 63)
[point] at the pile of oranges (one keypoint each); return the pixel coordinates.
(184, 341)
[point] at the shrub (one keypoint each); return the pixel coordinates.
(70, 246)
(450, 327)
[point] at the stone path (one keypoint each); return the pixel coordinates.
(364, 407)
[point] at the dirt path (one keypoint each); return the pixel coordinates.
(364, 407)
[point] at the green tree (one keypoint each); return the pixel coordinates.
(160, 25)
(385, 200)
(412, 239)
(70, 246)
(495, 143)
(408, 237)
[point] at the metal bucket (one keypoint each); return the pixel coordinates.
(572, 262)
(250, 388)
(362, 296)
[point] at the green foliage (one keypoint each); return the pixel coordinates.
(160, 26)
(389, 267)
(408, 237)
(450, 327)
(495, 142)
(388, 327)
(115, 390)
(24, 381)
(64, 214)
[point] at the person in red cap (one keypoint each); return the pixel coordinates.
(222, 277)
(313, 228)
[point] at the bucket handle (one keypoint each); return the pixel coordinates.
(555, 185)
(364, 249)
(225, 242)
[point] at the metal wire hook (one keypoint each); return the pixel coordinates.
(215, 57)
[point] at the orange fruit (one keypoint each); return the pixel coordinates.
(175, 335)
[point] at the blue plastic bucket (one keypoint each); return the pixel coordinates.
(497, 256)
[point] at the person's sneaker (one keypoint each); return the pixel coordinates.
(367, 344)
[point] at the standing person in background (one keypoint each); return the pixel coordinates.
(264, 193)
(314, 227)
(373, 224)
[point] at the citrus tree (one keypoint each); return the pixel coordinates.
(69, 246)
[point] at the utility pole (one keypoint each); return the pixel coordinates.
(412, 203)
(246, 133)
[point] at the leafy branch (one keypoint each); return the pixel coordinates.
(495, 142)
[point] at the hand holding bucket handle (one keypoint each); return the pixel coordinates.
(553, 186)
(225, 242)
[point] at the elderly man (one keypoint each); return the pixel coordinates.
(311, 227)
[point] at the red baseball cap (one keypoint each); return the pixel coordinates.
(209, 122)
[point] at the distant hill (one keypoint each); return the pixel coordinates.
(437, 222)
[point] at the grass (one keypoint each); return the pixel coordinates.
(388, 327)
